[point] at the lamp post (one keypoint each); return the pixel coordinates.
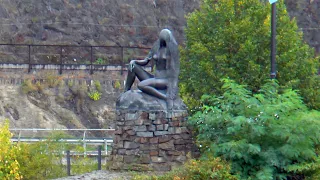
(273, 39)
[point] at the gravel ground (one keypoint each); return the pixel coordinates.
(99, 175)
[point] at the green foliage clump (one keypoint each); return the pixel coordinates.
(268, 135)
(9, 166)
(97, 85)
(117, 84)
(41, 160)
(100, 61)
(231, 39)
(94, 95)
(52, 80)
(206, 168)
(29, 87)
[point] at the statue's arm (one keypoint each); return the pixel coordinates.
(142, 62)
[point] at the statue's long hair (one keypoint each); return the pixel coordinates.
(172, 50)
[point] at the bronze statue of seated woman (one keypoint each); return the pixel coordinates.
(164, 83)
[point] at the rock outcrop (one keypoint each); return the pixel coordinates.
(139, 101)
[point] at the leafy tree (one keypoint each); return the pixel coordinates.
(231, 38)
(9, 166)
(267, 135)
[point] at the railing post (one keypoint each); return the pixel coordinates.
(60, 71)
(84, 144)
(91, 61)
(106, 146)
(122, 61)
(99, 157)
(68, 163)
(19, 136)
(29, 59)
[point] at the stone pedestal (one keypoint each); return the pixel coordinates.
(147, 137)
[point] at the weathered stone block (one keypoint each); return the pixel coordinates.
(154, 153)
(146, 147)
(151, 127)
(118, 131)
(145, 159)
(161, 133)
(177, 136)
(133, 152)
(181, 158)
(157, 159)
(118, 158)
(131, 116)
(130, 145)
(180, 147)
(144, 140)
(161, 167)
(145, 134)
(129, 159)
(186, 136)
(174, 123)
(160, 127)
(164, 138)
(147, 122)
(167, 145)
(125, 128)
(171, 130)
(166, 127)
(120, 123)
(176, 153)
(116, 165)
(162, 153)
(154, 140)
(139, 122)
(181, 141)
(140, 128)
(121, 151)
(144, 116)
(129, 123)
(152, 116)
(131, 132)
(119, 144)
(157, 122)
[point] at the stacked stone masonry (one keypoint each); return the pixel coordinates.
(149, 141)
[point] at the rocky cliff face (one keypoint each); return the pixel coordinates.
(307, 14)
(94, 22)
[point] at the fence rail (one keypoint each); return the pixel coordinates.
(105, 141)
(59, 60)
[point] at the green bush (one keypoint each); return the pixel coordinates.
(94, 95)
(207, 168)
(41, 160)
(231, 39)
(268, 135)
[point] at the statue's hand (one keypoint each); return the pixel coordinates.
(131, 65)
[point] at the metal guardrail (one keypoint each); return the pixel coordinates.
(62, 53)
(84, 140)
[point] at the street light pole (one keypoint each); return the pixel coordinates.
(273, 41)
